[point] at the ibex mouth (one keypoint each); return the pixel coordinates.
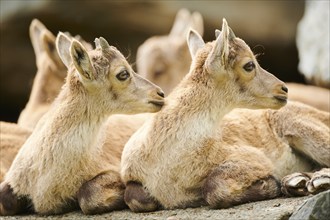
(157, 103)
(281, 98)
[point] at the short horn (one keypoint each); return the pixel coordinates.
(103, 43)
(97, 43)
(217, 33)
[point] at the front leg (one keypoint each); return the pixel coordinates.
(11, 204)
(240, 179)
(103, 193)
(138, 198)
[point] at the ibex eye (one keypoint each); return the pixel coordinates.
(249, 66)
(123, 75)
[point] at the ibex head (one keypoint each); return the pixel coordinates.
(104, 75)
(229, 62)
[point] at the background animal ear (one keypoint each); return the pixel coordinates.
(36, 28)
(81, 60)
(48, 43)
(181, 23)
(63, 44)
(195, 42)
(197, 22)
(220, 50)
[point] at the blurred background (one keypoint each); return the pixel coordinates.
(269, 27)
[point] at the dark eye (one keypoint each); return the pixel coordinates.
(249, 66)
(123, 75)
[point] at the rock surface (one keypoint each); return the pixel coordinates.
(276, 209)
(317, 207)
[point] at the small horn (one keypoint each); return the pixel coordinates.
(231, 35)
(217, 33)
(97, 43)
(104, 44)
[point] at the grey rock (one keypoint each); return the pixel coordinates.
(317, 207)
(275, 209)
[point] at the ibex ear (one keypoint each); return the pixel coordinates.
(48, 43)
(181, 22)
(36, 28)
(220, 50)
(63, 44)
(81, 60)
(195, 42)
(197, 22)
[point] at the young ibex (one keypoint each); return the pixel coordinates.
(165, 60)
(62, 164)
(180, 157)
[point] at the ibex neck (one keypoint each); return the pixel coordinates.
(201, 101)
(74, 122)
(193, 114)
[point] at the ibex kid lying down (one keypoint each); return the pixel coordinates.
(61, 165)
(179, 158)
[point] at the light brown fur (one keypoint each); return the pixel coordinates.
(180, 157)
(56, 167)
(12, 137)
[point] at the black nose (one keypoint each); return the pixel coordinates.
(161, 94)
(285, 89)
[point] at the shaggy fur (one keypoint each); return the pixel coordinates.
(12, 137)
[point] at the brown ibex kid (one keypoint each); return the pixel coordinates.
(62, 165)
(180, 158)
